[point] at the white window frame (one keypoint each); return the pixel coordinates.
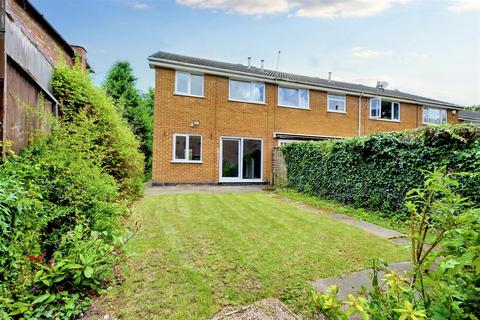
(333, 96)
(298, 106)
(444, 111)
(240, 160)
(392, 103)
(189, 86)
(187, 145)
(252, 83)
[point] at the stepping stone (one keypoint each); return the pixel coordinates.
(379, 231)
(352, 282)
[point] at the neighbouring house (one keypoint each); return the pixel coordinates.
(217, 122)
(469, 116)
(30, 49)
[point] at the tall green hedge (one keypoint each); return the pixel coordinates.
(376, 171)
(60, 203)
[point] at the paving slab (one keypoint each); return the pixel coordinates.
(351, 283)
(377, 230)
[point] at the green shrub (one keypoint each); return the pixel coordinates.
(60, 200)
(445, 279)
(376, 171)
(120, 157)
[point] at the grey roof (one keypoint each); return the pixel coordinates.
(271, 74)
(469, 115)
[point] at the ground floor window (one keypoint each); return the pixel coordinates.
(241, 159)
(187, 148)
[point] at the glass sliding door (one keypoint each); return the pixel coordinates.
(241, 159)
(230, 159)
(252, 159)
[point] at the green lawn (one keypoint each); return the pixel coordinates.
(197, 253)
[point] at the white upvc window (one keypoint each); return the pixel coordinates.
(187, 148)
(293, 98)
(382, 109)
(188, 84)
(245, 91)
(434, 115)
(336, 103)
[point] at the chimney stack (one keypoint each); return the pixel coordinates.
(329, 75)
(261, 64)
(82, 56)
(249, 62)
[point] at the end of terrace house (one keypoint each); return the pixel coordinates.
(218, 122)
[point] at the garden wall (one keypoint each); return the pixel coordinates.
(376, 171)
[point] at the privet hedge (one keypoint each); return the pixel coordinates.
(376, 171)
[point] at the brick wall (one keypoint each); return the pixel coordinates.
(220, 117)
(279, 168)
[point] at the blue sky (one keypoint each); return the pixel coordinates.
(425, 47)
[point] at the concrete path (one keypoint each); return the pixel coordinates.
(377, 230)
(184, 189)
(352, 282)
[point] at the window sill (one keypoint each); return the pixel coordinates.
(188, 95)
(334, 111)
(243, 101)
(187, 161)
(293, 107)
(387, 120)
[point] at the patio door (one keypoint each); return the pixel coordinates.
(241, 159)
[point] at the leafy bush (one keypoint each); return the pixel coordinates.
(60, 200)
(376, 171)
(118, 145)
(445, 280)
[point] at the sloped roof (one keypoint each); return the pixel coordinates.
(166, 57)
(469, 115)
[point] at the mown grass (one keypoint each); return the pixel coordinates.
(375, 217)
(197, 253)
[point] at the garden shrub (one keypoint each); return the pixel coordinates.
(376, 171)
(60, 203)
(445, 279)
(121, 159)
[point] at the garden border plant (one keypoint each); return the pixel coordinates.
(60, 203)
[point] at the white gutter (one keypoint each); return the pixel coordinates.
(304, 135)
(156, 62)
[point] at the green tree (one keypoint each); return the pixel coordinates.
(135, 107)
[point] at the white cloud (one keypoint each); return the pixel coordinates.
(360, 52)
(140, 5)
(253, 7)
(301, 8)
(464, 5)
(343, 8)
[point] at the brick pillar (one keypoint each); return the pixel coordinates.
(279, 169)
(82, 55)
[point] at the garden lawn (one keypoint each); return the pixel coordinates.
(197, 253)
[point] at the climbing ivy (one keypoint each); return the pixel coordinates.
(376, 171)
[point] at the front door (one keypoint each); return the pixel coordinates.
(241, 159)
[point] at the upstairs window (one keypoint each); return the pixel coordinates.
(384, 109)
(187, 148)
(295, 98)
(246, 91)
(336, 103)
(189, 84)
(434, 115)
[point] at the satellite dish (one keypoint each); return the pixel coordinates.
(383, 84)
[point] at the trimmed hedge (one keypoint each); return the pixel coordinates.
(376, 171)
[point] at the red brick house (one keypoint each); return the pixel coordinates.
(217, 122)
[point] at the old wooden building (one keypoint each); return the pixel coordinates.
(30, 48)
